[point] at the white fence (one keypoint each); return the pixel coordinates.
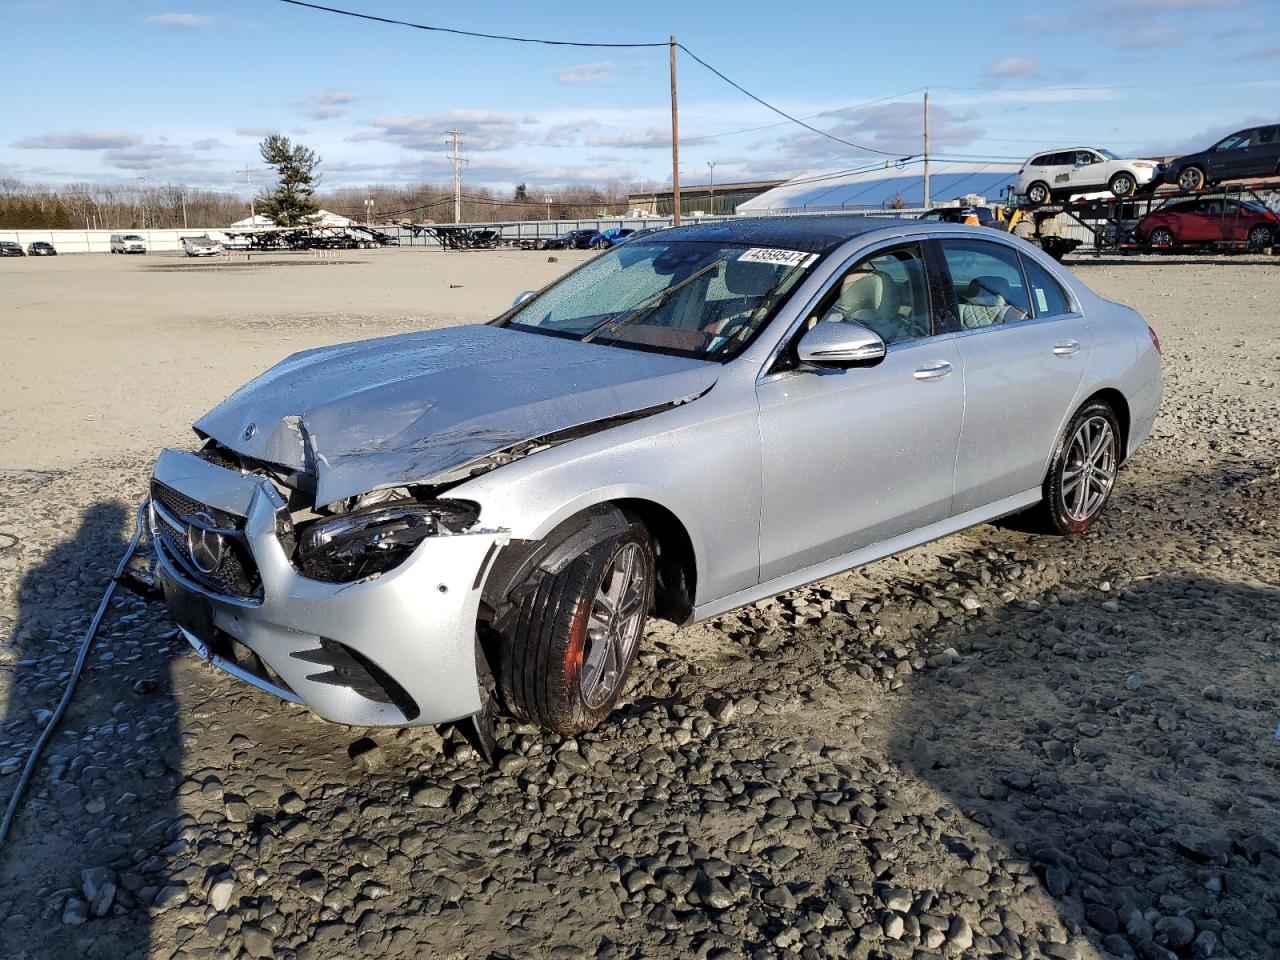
(99, 241)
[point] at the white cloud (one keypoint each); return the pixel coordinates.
(82, 140)
(481, 130)
(328, 104)
(597, 74)
(1007, 67)
(256, 131)
(180, 21)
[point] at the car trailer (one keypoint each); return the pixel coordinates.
(1111, 221)
(351, 237)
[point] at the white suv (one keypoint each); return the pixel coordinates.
(1062, 173)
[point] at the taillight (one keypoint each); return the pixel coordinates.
(1155, 338)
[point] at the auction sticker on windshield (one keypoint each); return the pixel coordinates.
(784, 258)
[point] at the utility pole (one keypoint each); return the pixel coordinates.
(457, 175)
(368, 211)
(712, 165)
(142, 199)
(248, 176)
(547, 198)
(926, 148)
(183, 193)
(675, 141)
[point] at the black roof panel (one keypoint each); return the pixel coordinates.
(813, 234)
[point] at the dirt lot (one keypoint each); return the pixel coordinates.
(997, 745)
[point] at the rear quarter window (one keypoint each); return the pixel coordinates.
(1048, 299)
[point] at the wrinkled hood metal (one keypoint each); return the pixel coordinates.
(409, 408)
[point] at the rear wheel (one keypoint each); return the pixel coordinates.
(1191, 179)
(1082, 473)
(1260, 237)
(1038, 193)
(571, 626)
(1122, 184)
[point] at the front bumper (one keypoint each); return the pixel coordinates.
(391, 650)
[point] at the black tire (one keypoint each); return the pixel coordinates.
(1039, 193)
(1261, 237)
(543, 623)
(1161, 238)
(1123, 184)
(1068, 508)
(1191, 179)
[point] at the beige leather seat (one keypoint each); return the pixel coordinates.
(986, 301)
(870, 298)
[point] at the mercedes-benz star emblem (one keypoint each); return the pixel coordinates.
(205, 545)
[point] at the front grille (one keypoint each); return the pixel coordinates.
(237, 574)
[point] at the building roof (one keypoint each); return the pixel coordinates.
(877, 189)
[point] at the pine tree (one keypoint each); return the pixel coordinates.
(292, 202)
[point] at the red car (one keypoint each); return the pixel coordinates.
(1192, 222)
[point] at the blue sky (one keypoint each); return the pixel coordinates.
(181, 91)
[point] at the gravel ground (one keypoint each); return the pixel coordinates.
(997, 745)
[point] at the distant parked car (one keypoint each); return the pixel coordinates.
(41, 248)
(611, 238)
(1064, 173)
(642, 233)
(1254, 152)
(127, 243)
(573, 240)
(10, 249)
(985, 216)
(202, 246)
(1208, 220)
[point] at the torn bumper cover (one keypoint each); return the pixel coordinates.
(395, 649)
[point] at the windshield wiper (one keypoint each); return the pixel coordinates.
(646, 307)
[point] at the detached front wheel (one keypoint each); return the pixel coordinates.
(572, 624)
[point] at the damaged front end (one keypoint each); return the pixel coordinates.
(363, 611)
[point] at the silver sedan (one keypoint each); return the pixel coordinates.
(427, 527)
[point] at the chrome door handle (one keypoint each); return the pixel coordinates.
(933, 371)
(1065, 348)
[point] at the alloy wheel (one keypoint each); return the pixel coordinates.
(1259, 238)
(1089, 470)
(613, 625)
(1191, 179)
(1161, 238)
(1122, 185)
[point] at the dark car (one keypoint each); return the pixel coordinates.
(573, 240)
(1254, 152)
(41, 248)
(985, 216)
(1208, 220)
(10, 249)
(642, 233)
(611, 238)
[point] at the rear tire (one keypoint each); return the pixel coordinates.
(1038, 193)
(1082, 473)
(1261, 237)
(570, 628)
(1191, 179)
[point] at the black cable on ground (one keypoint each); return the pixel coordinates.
(15, 801)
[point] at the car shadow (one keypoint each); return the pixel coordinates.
(101, 808)
(1139, 786)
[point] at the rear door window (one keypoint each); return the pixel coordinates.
(1047, 296)
(988, 282)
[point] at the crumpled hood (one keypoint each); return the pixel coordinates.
(409, 408)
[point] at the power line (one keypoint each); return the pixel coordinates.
(782, 113)
(464, 33)
(813, 116)
(574, 43)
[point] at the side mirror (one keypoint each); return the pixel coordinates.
(845, 344)
(522, 297)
